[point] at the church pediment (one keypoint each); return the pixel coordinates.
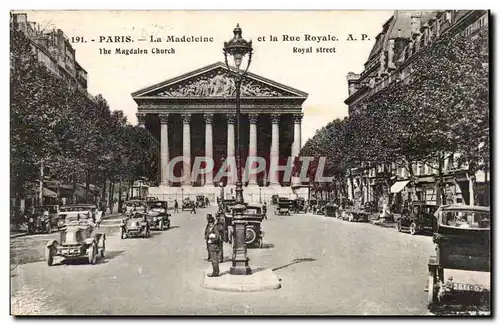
(216, 81)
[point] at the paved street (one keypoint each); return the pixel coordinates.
(327, 266)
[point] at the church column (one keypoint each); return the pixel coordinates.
(141, 120)
(275, 149)
(164, 155)
(252, 147)
(297, 134)
(186, 149)
(297, 140)
(231, 118)
(209, 146)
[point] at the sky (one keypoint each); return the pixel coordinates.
(321, 75)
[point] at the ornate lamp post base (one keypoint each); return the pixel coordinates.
(240, 260)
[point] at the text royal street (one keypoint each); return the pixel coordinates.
(305, 50)
(137, 51)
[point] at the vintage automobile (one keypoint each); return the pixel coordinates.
(254, 236)
(78, 239)
(158, 216)
(330, 210)
(461, 262)
(418, 218)
(52, 221)
(187, 204)
(132, 206)
(200, 201)
(299, 205)
(283, 207)
(63, 210)
(355, 212)
(135, 225)
(318, 207)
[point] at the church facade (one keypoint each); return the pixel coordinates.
(193, 115)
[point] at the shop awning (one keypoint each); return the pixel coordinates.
(398, 186)
(46, 192)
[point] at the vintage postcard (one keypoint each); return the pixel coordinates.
(250, 162)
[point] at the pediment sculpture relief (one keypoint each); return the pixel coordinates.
(219, 84)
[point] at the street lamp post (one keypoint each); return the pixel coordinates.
(221, 185)
(238, 48)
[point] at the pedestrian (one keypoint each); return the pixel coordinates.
(176, 206)
(207, 201)
(193, 208)
(221, 227)
(212, 237)
(264, 210)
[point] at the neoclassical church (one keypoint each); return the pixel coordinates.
(193, 115)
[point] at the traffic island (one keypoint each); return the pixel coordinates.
(260, 280)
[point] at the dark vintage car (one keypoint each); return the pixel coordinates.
(299, 205)
(318, 207)
(78, 240)
(283, 207)
(200, 201)
(187, 204)
(418, 218)
(135, 225)
(254, 236)
(461, 262)
(330, 210)
(158, 216)
(253, 218)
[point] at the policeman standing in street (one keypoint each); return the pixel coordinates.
(212, 237)
(221, 222)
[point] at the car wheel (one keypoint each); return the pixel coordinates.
(250, 236)
(49, 255)
(398, 226)
(160, 225)
(168, 225)
(413, 228)
(92, 254)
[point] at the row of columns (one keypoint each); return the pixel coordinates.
(231, 119)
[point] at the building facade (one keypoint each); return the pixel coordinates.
(53, 48)
(193, 115)
(390, 60)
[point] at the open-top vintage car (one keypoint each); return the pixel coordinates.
(132, 206)
(418, 218)
(187, 204)
(158, 216)
(78, 239)
(135, 225)
(462, 260)
(283, 207)
(63, 211)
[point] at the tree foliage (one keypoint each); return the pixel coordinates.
(75, 137)
(440, 109)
